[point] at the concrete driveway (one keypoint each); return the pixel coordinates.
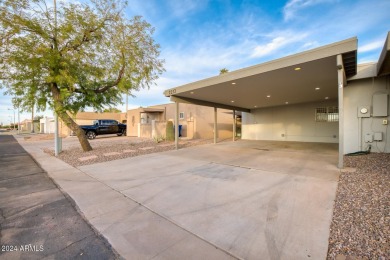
(247, 199)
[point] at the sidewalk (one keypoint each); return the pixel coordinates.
(36, 220)
(133, 230)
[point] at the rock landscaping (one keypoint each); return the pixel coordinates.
(360, 226)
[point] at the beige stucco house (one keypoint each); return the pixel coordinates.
(320, 95)
(195, 121)
(87, 118)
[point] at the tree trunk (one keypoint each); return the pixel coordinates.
(78, 131)
(58, 108)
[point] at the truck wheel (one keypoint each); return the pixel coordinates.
(91, 135)
(122, 133)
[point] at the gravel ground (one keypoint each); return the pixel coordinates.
(125, 146)
(361, 218)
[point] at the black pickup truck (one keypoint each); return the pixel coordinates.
(104, 127)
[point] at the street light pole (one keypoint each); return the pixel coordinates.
(14, 116)
(57, 141)
(18, 121)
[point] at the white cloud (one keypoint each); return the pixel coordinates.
(266, 49)
(293, 6)
(277, 43)
(183, 7)
(371, 46)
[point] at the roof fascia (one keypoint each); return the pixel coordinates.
(206, 103)
(333, 49)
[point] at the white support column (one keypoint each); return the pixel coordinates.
(234, 125)
(215, 125)
(18, 121)
(340, 77)
(56, 136)
(176, 125)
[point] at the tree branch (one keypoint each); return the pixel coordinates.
(116, 82)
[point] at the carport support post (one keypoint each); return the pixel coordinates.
(234, 125)
(341, 77)
(215, 125)
(176, 125)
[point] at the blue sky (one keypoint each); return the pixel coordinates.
(200, 37)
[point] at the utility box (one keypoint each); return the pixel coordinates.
(364, 111)
(369, 138)
(380, 105)
(378, 136)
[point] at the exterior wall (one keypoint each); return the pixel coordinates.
(133, 120)
(47, 125)
(160, 129)
(360, 93)
(289, 123)
(198, 121)
(146, 130)
(94, 116)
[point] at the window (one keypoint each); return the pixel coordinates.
(181, 115)
(327, 114)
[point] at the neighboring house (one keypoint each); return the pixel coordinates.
(320, 95)
(87, 118)
(25, 125)
(195, 121)
(46, 125)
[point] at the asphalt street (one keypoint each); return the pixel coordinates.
(36, 219)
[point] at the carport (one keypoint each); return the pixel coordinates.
(288, 81)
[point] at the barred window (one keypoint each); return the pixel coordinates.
(327, 114)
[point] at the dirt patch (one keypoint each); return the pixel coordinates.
(360, 225)
(39, 137)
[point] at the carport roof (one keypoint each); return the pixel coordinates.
(304, 77)
(384, 59)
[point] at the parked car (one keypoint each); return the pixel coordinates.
(104, 127)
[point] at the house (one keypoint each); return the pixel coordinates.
(25, 125)
(47, 125)
(319, 95)
(195, 121)
(87, 118)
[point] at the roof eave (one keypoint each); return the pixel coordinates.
(383, 67)
(342, 47)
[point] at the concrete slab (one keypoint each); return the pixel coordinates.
(276, 202)
(230, 200)
(135, 231)
(129, 151)
(111, 154)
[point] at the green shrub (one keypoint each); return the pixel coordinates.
(159, 139)
(170, 132)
